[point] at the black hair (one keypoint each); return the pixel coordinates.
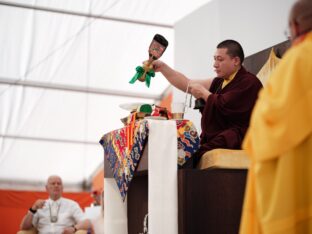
(233, 49)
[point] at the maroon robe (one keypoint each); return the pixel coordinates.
(226, 114)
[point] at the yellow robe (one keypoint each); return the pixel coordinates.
(278, 196)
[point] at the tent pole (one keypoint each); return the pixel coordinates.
(81, 89)
(66, 12)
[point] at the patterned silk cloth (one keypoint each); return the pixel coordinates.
(123, 161)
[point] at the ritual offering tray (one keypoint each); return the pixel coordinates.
(139, 111)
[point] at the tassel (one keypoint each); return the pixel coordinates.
(144, 73)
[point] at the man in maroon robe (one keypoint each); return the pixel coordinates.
(228, 99)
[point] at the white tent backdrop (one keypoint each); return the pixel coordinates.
(65, 67)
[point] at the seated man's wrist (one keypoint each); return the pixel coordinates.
(31, 210)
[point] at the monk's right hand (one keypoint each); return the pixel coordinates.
(158, 65)
(38, 204)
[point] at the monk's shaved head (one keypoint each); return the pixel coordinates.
(301, 14)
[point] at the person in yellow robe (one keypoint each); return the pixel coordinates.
(278, 196)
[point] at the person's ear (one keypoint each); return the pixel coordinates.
(296, 28)
(236, 61)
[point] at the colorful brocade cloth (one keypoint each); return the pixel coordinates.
(124, 162)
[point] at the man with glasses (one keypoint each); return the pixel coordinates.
(227, 100)
(279, 141)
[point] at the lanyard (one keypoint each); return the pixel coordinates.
(53, 218)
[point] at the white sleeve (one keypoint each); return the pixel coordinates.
(35, 220)
(77, 212)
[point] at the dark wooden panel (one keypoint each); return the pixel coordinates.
(137, 203)
(143, 164)
(254, 63)
(210, 201)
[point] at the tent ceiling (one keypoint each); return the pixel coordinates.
(64, 72)
(161, 12)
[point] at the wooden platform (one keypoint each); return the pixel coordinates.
(210, 201)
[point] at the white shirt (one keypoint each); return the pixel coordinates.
(69, 213)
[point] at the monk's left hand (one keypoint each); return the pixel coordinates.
(198, 91)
